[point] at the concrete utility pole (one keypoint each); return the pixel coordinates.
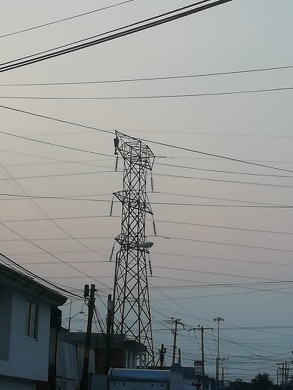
(176, 321)
(202, 329)
(89, 296)
(218, 319)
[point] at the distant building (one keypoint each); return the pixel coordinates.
(124, 353)
(70, 357)
(28, 310)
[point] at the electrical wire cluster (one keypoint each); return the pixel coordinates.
(224, 233)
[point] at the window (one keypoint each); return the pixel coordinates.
(32, 314)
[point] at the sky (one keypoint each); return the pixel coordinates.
(223, 173)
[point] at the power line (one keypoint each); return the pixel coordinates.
(227, 227)
(104, 33)
(231, 244)
(64, 19)
(86, 199)
(155, 78)
(213, 258)
(75, 47)
(157, 220)
(54, 144)
(215, 198)
(214, 155)
(52, 255)
(231, 181)
(214, 273)
(55, 119)
(218, 156)
(7, 261)
(19, 196)
(59, 175)
(139, 97)
(223, 171)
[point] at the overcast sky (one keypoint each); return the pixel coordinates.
(224, 227)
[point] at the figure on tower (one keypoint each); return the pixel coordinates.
(116, 144)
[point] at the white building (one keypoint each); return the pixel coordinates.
(25, 311)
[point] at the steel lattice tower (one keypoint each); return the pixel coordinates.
(132, 315)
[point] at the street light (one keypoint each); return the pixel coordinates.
(218, 319)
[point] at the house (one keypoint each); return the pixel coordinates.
(28, 310)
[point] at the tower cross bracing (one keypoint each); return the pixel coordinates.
(132, 315)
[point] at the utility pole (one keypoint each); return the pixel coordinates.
(202, 329)
(284, 368)
(89, 296)
(162, 352)
(109, 336)
(176, 321)
(218, 319)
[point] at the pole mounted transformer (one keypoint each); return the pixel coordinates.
(132, 315)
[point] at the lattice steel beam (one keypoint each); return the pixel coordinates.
(132, 315)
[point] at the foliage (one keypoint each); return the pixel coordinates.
(260, 382)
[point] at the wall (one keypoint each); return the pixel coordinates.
(16, 384)
(28, 357)
(70, 361)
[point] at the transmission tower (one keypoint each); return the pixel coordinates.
(132, 315)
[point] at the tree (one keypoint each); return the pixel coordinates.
(239, 384)
(262, 382)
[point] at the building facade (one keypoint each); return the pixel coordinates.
(25, 311)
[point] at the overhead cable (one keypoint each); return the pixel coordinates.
(149, 97)
(64, 19)
(155, 78)
(142, 139)
(158, 21)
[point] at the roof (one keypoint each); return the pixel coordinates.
(77, 338)
(98, 340)
(18, 280)
(121, 341)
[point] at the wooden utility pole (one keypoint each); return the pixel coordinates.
(162, 355)
(90, 297)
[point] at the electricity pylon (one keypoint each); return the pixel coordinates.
(132, 315)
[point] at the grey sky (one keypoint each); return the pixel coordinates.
(210, 258)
